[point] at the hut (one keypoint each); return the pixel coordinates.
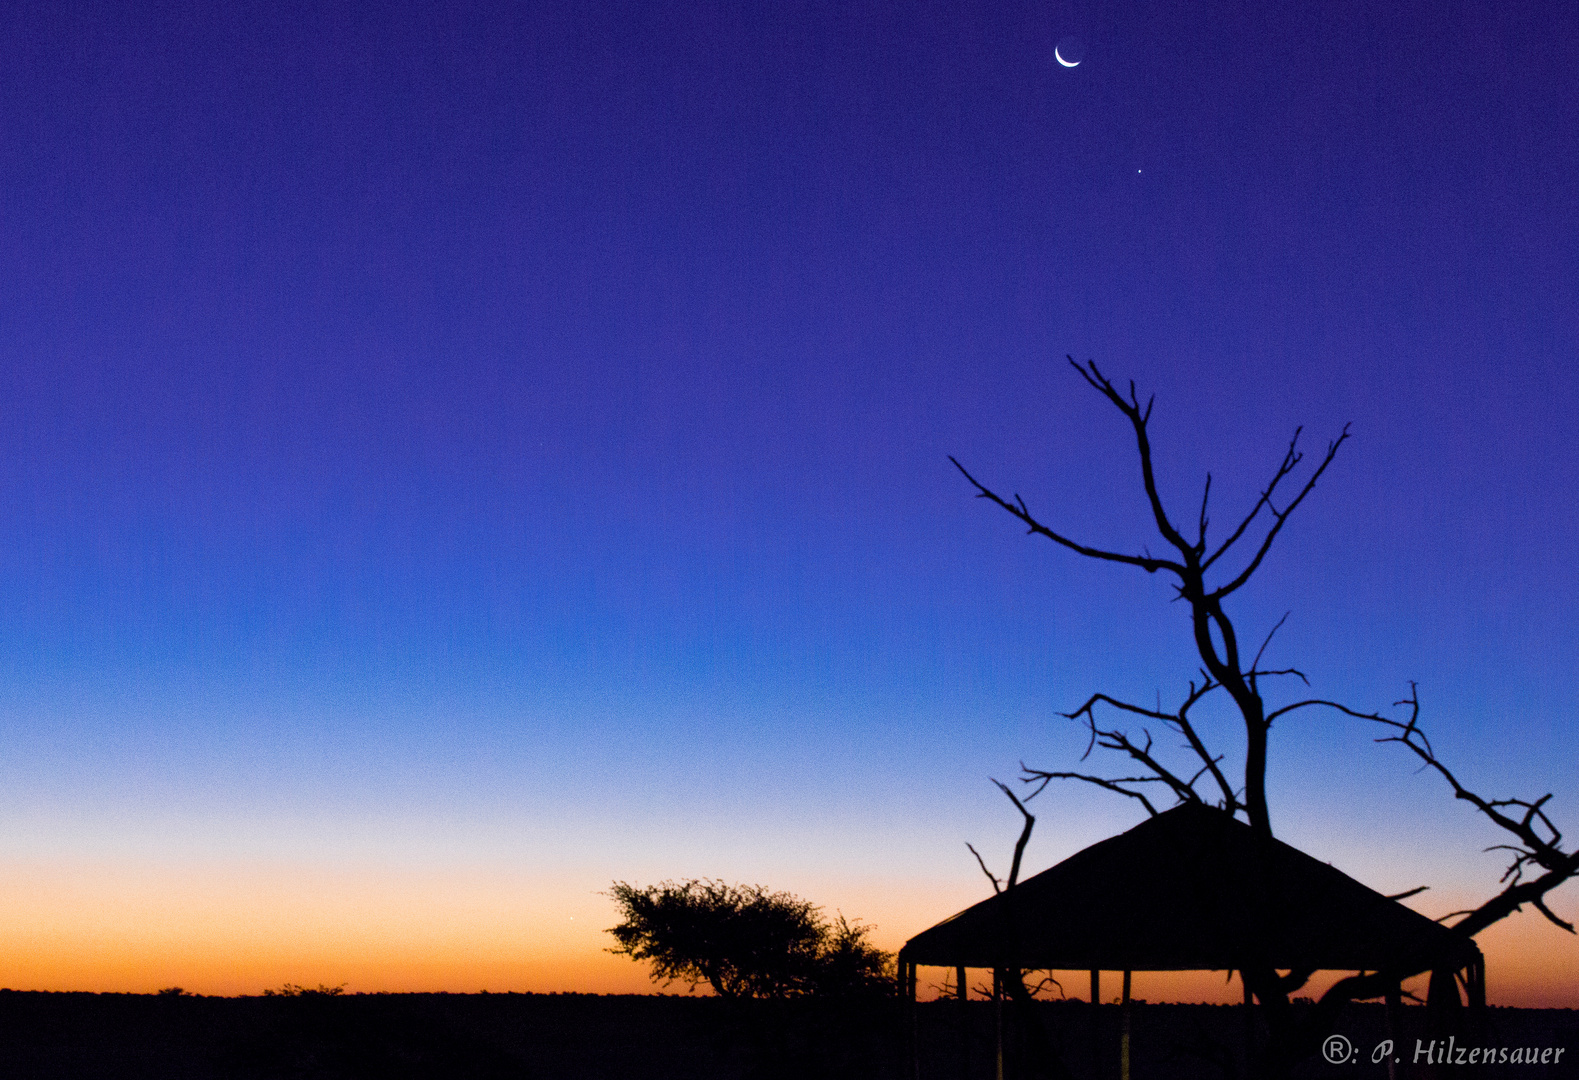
(1190, 889)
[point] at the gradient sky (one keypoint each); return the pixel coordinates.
(454, 456)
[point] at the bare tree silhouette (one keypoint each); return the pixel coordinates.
(1538, 862)
(1010, 981)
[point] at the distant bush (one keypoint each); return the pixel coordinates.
(174, 991)
(292, 990)
(745, 941)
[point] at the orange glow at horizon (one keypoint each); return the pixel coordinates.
(226, 929)
(229, 930)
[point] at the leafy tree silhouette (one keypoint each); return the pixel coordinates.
(293, 990)
(746, 941)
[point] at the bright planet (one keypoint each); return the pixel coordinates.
(1070, 51)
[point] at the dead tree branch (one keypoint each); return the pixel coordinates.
(1019, 510)
(1291, 460)
(1115, 739)
(1019, 845)
(1215, 636)
(1539, 841)
(997, 886)
(1407, 893)
(1537, 862)
(1114, 785)
(1025, 833)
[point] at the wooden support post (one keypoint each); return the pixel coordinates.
(1249, 1027)
(997, 1017)
(962, 991)
(1475, 998)
(1123, 1039)
(903, 1051)
(1395, 1001)
(1096, 1024)
(1475, 979)
(915, 1042)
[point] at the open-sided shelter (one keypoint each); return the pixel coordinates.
(1189, 889)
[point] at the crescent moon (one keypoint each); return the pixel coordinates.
(1059, 57)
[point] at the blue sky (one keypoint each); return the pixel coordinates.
(518, 436)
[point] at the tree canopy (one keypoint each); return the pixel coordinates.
(746, 941)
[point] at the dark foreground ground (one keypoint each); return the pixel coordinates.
(85, 1036)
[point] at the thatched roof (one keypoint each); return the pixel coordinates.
(1176, 893)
